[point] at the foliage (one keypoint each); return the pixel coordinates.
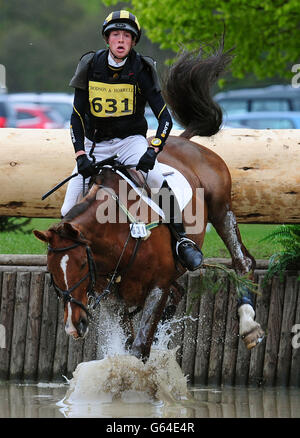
(239, 282)
(212, 283)
(41, 42)
(288, 236)
(14, 224)
(265, 34)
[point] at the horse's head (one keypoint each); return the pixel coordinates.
(71, 266)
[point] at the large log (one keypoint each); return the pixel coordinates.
(32, 161)
(265, 172)
(264, 165)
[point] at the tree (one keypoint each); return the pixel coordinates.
(15, 224)
(42, 41)
(33, 43)
(265, 33)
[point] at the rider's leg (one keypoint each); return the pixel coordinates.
(75, 187)
(188, 252)
(73, 192)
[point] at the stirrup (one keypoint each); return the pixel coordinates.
(183, 240)
(188, 264)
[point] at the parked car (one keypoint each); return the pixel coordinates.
(153, 122)
(8, 118)
(263, 120)
(61, 102)
(37, 116)
(272, 98)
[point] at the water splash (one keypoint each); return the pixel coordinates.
(111, 333)
(120, 380)
(167, 331)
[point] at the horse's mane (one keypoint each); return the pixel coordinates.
(86, 202)
(79, 208)
(90, 197)
(61, 231)
(74, 212)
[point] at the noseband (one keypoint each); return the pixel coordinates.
(66, 294)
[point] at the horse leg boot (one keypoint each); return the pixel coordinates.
(188, 252)
(249, 330)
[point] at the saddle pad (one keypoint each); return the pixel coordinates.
(177, 182)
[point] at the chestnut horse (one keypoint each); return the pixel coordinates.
(85, 255)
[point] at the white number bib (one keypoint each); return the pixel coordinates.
(138, 230)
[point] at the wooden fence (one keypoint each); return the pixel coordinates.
(34, 346)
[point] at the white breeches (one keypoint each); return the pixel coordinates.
(129, 149)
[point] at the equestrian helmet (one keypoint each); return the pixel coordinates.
(122, 20)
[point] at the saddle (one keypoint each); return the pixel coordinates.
(176, 181)
(141, 226)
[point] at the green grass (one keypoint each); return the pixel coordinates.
(20, 243)
(251, 237)
(23, 243)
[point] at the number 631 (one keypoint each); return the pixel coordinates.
(111, 106)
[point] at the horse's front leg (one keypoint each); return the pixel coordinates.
(243, 263)
(152, 312)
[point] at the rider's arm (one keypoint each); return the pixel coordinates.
(77, 118)
(158, 106)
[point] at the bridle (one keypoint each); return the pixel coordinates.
(66, 294)
(91, 274)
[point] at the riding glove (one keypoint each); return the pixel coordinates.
(85, 166)
(147, 160)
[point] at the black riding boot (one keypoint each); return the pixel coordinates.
(188, 252)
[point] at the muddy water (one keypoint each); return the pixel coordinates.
(46, 401)
(119, 385)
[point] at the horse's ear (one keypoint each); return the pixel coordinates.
(44, 236)
(71, 230)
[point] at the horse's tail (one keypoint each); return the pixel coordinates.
(187, 90)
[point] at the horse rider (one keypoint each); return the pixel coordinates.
(112, 87)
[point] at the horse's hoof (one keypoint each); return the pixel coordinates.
(139, 355)
(134, 351)
(253, 338)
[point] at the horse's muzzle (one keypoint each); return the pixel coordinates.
(77, 330)
(82, 328)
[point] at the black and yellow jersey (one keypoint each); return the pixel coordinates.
(109, 102)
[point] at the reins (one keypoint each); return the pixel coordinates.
(91, 274)
(115, 273)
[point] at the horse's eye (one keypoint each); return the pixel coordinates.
(83, 264)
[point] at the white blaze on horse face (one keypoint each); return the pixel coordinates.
(63, 265)
(69, 327)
